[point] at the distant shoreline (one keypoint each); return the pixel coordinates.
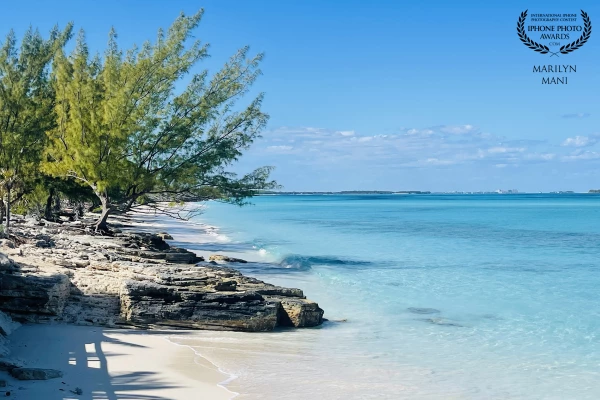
(349, 192)
(379, 192)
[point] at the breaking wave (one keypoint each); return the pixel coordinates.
(305, 263)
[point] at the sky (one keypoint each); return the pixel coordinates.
(386, 95)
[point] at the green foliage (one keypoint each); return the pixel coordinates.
(124, 130)
(32, 202)
(26, 107)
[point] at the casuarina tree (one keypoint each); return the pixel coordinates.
(145, 126)
(26, 108)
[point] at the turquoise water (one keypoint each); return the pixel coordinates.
(445, 296)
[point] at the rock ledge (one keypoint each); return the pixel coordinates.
(59, 273)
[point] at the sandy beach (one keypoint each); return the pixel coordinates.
(111, 364)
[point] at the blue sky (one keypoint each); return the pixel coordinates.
(396, 95)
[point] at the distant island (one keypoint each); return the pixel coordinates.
(355, 192)
(348, 192)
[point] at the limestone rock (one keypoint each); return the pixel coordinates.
(300, 313)
(38, 293)
(422, 310)
(220, 257)
(226, 286)
(29, 374)
(6, 243)
(4, 349)
(136, 279)
(443, 322)
(7, 325)
(149, 303)
(182, 256)
(5, 262)
(93, 309)
(7, 364)
(152, 240)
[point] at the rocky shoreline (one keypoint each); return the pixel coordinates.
(59, 272)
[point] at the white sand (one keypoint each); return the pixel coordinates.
(111, 364)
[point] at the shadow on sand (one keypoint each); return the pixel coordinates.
(78, 352)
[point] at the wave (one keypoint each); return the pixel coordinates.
(304, 263)
(230, 377)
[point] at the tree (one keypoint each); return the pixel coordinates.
(26, 107)
(125, 130)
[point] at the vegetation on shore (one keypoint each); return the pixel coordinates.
(118, 131)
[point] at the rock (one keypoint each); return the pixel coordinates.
(7, 325)
(5, 243)
(5, 263)
(270, 290)
(9, 364)
(29, 374)
(43, 244)
(149, 239)
(421, 310)
(300, 313)
(77, 391)
(226, 286)
(220, 257)
(93, 309)
(81, 263)
(137, 279)
(34, 293)
(443, 322)
(4, 347)
(43, 236)
(164, 236)
(181, 256)
(147, 303)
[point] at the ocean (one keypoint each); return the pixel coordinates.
(427, 296)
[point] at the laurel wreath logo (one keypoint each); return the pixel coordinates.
(566, 49)
(587, 31)
(540, 48)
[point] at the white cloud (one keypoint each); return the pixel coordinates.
(420, 132)
(579, 141)
(429, 147)
(540, 156)
(457, 129)
(279, 148)
(497, 150)
(576, 115)
(429, 158)
(435, 161)
(585, 155)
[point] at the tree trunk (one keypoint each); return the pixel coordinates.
(79, 211)
(130, 204)
(7, 230)
(48, 211)
(2, 210)
(101, 225)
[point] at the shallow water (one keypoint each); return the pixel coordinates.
(446, 297)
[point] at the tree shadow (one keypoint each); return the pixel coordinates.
(78, 352)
